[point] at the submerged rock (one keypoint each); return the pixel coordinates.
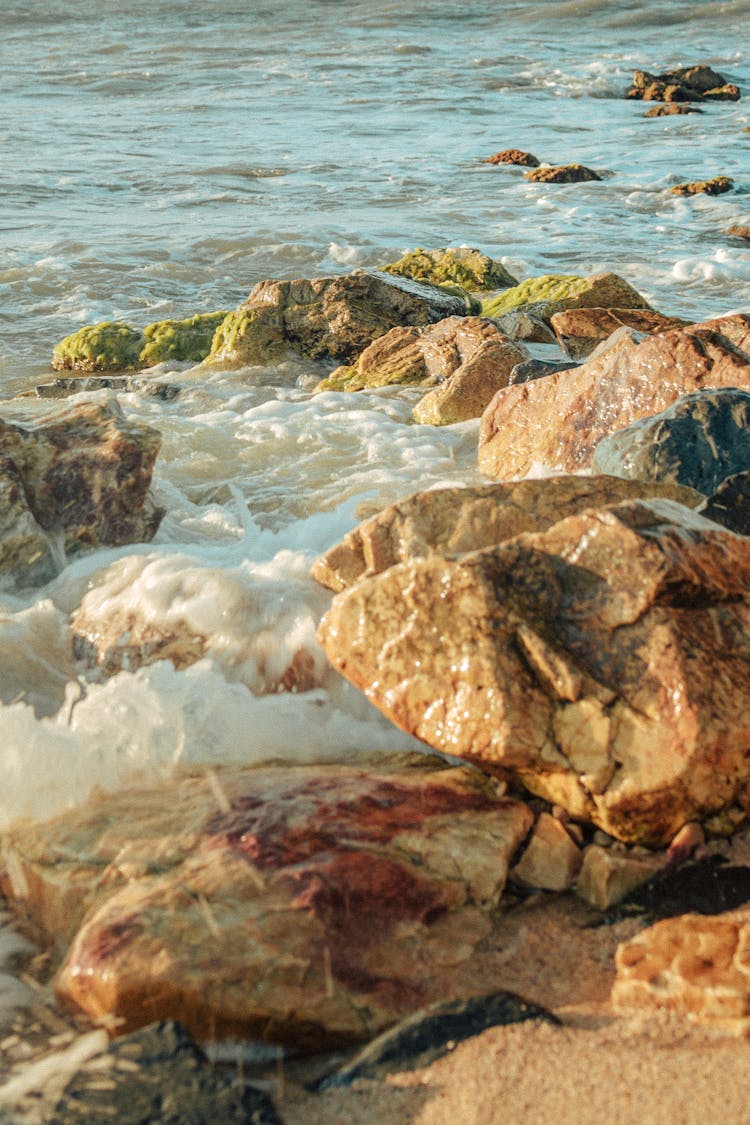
(717, 186)
(461, 265)
(698, 441)
(64, 388)
(683, 84)
(554, 293)
(603, 663)
(99, 347)
(580, 331)
(327, 317)
(558, 421)
(450, 522)
(671, 109)
(562, 174)
(311, 906)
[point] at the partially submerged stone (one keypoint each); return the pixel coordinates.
(553, 293)
(562, 174)
(698, 441)
(558, 421)
(450, 522)
(65, 387)
(513, 156)
(327, 317)
(461, 265)
(311, 906)
(716, 186)
(739, 231)
(99, 347)
(683, 84)
(182, 340)
(591, 662)
(671, 109)
(580, 331)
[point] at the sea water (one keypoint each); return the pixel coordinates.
(159, 159)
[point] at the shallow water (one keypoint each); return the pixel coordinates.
(159, 160)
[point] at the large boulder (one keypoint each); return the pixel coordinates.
(558, 421)
(327, 317)
(602, 663)
(462, 265)
(82, 476)
(580, 331)
(303, 905)
(698, 441)
(552, 293)
(450, 522)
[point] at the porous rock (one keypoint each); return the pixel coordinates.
(312, 906)
(716, 186)
(553, 293)
(683, 84)
(562, 174)
(671, 109)
(602, 663)
(462, 265)
(698, 441)
(580, 331)
(558, 421)
(327, 317)
(83, 473)
(450, 522)
(513, 156)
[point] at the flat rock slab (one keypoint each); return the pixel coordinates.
(312, 906)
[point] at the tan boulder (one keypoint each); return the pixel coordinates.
(607, 875)
(561, 174)
(551, 859)
(694, 964)
(558, 421)
(579, 331)
(482, 372)
(303, 905)
(450, 522)
(602, 663)
(718, 185)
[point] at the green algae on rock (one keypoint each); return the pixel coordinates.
(462, 265)
(186, 340)
(109, 346)
(553, 293)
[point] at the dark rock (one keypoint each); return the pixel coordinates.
(513, 156)
(431, 1033)
(706, 886)
(699, 441)
(537, 369)
(717, 186)
(158, 1074)
(562, 174)
(730, 504)
(62, 388)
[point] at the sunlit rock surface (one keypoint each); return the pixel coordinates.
(579, 331)
(553, 293)
(459, 265)
(603, 663)
(306, 905)
(558, 421)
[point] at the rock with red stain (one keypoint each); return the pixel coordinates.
(558, 421)
(303, 905)
(84, 474)
(604, 662)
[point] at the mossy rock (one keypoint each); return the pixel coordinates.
(462, 266)
(248, 335)
(553, 292)
(351, 379)
(99, 347)
(186, 340)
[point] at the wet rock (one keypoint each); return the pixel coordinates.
(558, 421)
(311, 906)
(698, 441)
(159, 1074)
(580, 331)
(429, 1034)
(181, 340)
(730, 504)
(562, 174)
(513, 156)
(99, 347)
(537, 369)
(602, 663)
(63, 388)
(83, 473)
(465, 393)
(607, 876)
(739, 231)
(450, 522)
(692, 964)
(461, 265)
(717, 186)
(683, 84)
(554, 293)
(327, 317)
(526, 323)
(671, 109)
(551, 859)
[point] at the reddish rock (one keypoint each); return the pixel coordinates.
(579, 331)
(304, 905)
(684, 84)
(562, 174)
(558, 421)
(513, 156)
(739, 231)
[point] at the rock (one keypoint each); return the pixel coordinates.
(99, 347)
(461, 265)
(327, 317)
(739, 231)
(717, 186)
(467, 390)
(146, 608)
(551, 859)
(698, 441)
(183, 340)
(537, 369)
(395, 359)
(159, 1074)
(429, 1034)
(63, 388)
(450, 522)
(555, 292)
(705, 886)
(607, 877)
(311, 906)
(526, 323)
(670, 109)
(83, 472)
(558, 421)
(27, 554)
(513, 156)
(602, 663)
(684, 84)
(692, 964)
(580, 331)
(730, 504)
(561, 174)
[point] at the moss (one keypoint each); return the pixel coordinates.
(99, 347)
(179, 339)
(550, 287)
(248, 335)
(351, 379)
(462, 266)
